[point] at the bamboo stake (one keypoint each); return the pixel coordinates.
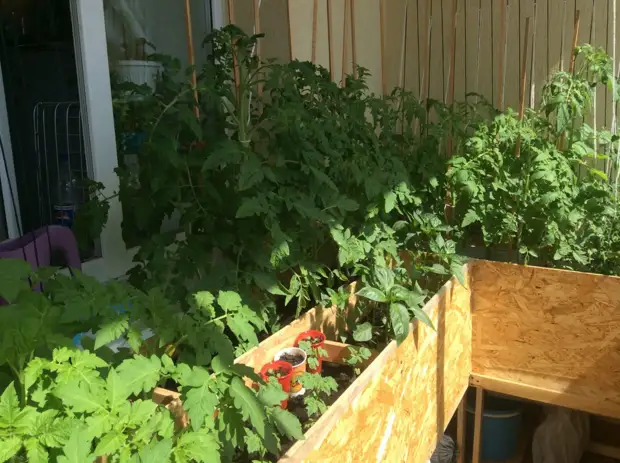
(479, 45)
(231, 20)
(502, 60)
(257, 30)
(190, 55)
(505, 56)
(572, 67)
(330, 38)
(315, 21)
(345, 35)
(452, 65)
(613, 87)
(533, 60)
(353, 39)
(403, 61)
(425, 82)
(562, 38)
(382, 33)
(594, 102)
(290, 30)
(523, 81)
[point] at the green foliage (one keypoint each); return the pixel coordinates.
(317, 389)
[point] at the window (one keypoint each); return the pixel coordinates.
(101, 31)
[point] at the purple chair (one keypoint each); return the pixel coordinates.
(37, 247)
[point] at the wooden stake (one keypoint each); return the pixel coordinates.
(479, 46)
(403, 55)
(257, 30)
(461, 430)
(382, 33)
(523, 81)
(315, 21)
(533, 60)
(425, 81)
(231, 20)
(330, 38)
(575, 40)
(502, 61)
(231, 12)
(478, 424)
(562, 38)
(190, 54)
(345, 35)
(452, 66)
(353, 39)
(614, 109)
(290, 29)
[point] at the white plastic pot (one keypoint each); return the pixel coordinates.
(139, 72)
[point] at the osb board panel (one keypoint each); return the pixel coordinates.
(400, 405)
(551, 329)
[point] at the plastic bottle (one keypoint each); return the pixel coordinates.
(67, 198)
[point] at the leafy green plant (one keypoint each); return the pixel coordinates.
(313, 353)
(317, 389)
(357, 355)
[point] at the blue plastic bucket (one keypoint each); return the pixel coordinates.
(501, 423)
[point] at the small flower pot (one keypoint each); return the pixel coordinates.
(284, 380)
(317, 340)
(297, 359)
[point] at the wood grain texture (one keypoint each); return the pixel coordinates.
(554, 330)
(398, 408)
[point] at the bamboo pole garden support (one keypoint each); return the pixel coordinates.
(523, 82)
(533, 59)
(353, 39)
(290, 30)
(501, 79)
(403, 55)
(315, 20)
(330, 37)
(478, 425)
(382, 37)
(190, 55)
(345, 34)
(257, 30)
(232, 20)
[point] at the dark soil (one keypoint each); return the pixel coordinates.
(293, 359)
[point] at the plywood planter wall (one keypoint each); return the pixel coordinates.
(401, 403)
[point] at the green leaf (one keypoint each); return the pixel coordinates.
(242, 329)
(249, 207)
(470, 217)
(399, 318)
(198, 447)
(385, 278)
(288, 424)
(390, 201)
(134, 339)
(13, 277)
(9, 448)
(250, 173)
(81, 398)
(111, 331)
(35, 452)
(33, 371)
(117, 391)
(200, 404)
(245, 400)
(110, 444)
(9, 406)
(271, 393)
(323, 178)
(457, 270)
(269, 283)
(77, 448)
(140, 374)
(204, 300)
(421, 315)
(373, 294)
(363, 332)
(157, 451)
(229, 300)
(348, 205)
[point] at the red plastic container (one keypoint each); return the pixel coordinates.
(285, 381)
(312, 334)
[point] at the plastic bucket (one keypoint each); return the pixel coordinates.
(139, 72)
(501, 423)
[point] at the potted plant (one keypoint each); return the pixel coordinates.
(297, 358)
(283, 372)
(312, 343)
